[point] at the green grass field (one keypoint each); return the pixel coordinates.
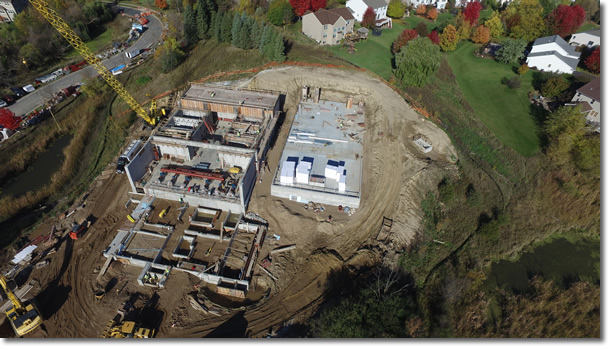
(588, 25)
(96, 45)
(375, 53)
(506, 112)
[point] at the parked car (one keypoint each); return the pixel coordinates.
(29, 88)
(3, 104)
(18, 91)
(10, 99)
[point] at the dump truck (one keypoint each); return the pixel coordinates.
(24, 317)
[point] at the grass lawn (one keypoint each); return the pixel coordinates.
(506, 112)
(96, 44)
(588, 25)
(375, 53)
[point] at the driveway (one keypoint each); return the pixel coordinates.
(29, 102)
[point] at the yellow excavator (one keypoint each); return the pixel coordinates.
(24, 317)
(126, 329)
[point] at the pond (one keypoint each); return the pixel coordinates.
(561, 260)
(38, 173)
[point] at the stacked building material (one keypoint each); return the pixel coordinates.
(342, 182)
(287, 172)
(303, 172)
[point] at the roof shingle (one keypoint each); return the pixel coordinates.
(591, 89)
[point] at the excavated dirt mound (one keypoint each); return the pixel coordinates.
(396, 176)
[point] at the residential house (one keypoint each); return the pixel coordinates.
(10, 8)
(588, 97)
(328, 26)
(440, 4)
(590, 38)
(358, 8)
(553, 54)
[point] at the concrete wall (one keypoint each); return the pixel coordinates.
(184, 152)
(247, 184)
(137, 168)
(234, 207)
(315, 196)
(230, 160)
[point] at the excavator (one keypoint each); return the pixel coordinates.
(23, 317)
(126, 329)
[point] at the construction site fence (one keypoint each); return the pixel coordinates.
(218, 75)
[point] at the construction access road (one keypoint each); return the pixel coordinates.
(396, 177)
(37, 98)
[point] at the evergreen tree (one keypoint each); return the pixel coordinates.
(216, 24)
(202, 20)
(256, 34)
(268, 50)
(264, 38)
(211, 6)
(237, 27)
(279, 49)
(245, 33)
(226, 30)
(190, 25)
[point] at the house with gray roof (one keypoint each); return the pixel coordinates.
(553, 54)
(588, 98)
(358, 8)
(328, 26)
(590, 38)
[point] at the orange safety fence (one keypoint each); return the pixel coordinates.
(413, 103)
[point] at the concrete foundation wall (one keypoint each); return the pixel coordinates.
(231, 160)
(248, 182)
(315, 196)
(234, 207)
(137, 168)
(184, 152)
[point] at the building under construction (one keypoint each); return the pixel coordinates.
(323, 157)
(210, 150)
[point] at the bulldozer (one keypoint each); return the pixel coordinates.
(24, 317)
(126, 329)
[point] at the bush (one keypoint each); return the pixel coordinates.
(143, 80)
(513, 82)
(523, 69)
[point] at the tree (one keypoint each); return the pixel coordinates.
(494, 23)
(434, 37)
(236, 30)
(549, 5)
(369, 18)
(226, 28)
(317, 4)
(190, 32)
(162, 4)
(202, 20)
(279, 49)
(300, 6)
(471, 12)
(464, 30)
(421, 10)
(171, 56)
(591, 7)
(511, 51)
(526, 19)
(216, 23)
(396, 9)
(565, 20)
(554, 87)
(404, 37)
(593, 61)
(586, 154)
(280, 12)
(564, 129)
(432, 13)
(448, 39)
(523, 69)
(481, 34)
(9, 120)
(422, 29)
(246, 6)
(417, 62)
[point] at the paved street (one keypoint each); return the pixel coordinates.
(36, 98)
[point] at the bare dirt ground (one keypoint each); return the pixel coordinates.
(396, 176)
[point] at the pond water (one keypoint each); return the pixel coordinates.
(561, 260)
(38, 173)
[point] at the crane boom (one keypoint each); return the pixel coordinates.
(24, 318)
(11, 296)
(64, 29)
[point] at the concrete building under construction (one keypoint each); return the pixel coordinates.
(323, 158)
(210, 149)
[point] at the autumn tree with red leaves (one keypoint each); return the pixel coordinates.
(369, 18)
(434, 37)
(481, 34)
(300, 6)
(564, 20)
(317, 4)
(593, 61)
(471, 12)
(404, 37)
(8, 119)
(162, 4)
(421, 10)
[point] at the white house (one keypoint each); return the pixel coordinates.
(553, 54)
(358, 8)
(10, 8)
(440, 4)
(588, 97)
(589, 38)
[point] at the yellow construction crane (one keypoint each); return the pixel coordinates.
(64, 29)
(23, 318)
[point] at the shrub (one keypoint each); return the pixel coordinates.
(143, 80)
(421, 10)
(523, 69)
(513, 82)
